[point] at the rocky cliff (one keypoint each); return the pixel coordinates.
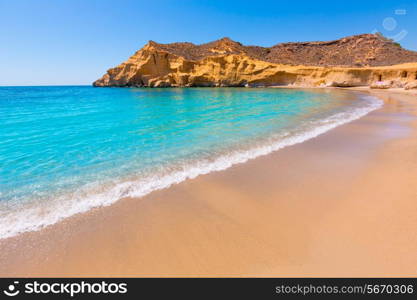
(366, 59)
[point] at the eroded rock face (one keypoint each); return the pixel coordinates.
(228, 63)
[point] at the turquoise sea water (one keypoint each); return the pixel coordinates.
(64, 150)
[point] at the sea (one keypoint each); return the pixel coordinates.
(67, 149)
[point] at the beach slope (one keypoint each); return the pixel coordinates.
(341, 204)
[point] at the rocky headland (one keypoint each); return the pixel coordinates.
(361, 60)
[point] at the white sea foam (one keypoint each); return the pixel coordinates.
(39, 215)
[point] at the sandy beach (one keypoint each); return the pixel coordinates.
(342, 204)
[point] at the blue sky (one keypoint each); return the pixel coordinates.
(52, 42)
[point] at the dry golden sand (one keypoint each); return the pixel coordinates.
(342, 204)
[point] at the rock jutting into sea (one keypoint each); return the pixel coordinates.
(361, 60)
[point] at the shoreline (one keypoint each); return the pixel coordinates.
(171, 233)
(61, 207)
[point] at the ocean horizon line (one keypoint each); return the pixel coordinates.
(46, 85)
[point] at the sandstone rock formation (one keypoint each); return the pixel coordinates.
(366, 59)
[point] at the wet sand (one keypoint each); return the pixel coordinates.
(342, 204)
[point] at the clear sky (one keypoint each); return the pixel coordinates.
(52, 42)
